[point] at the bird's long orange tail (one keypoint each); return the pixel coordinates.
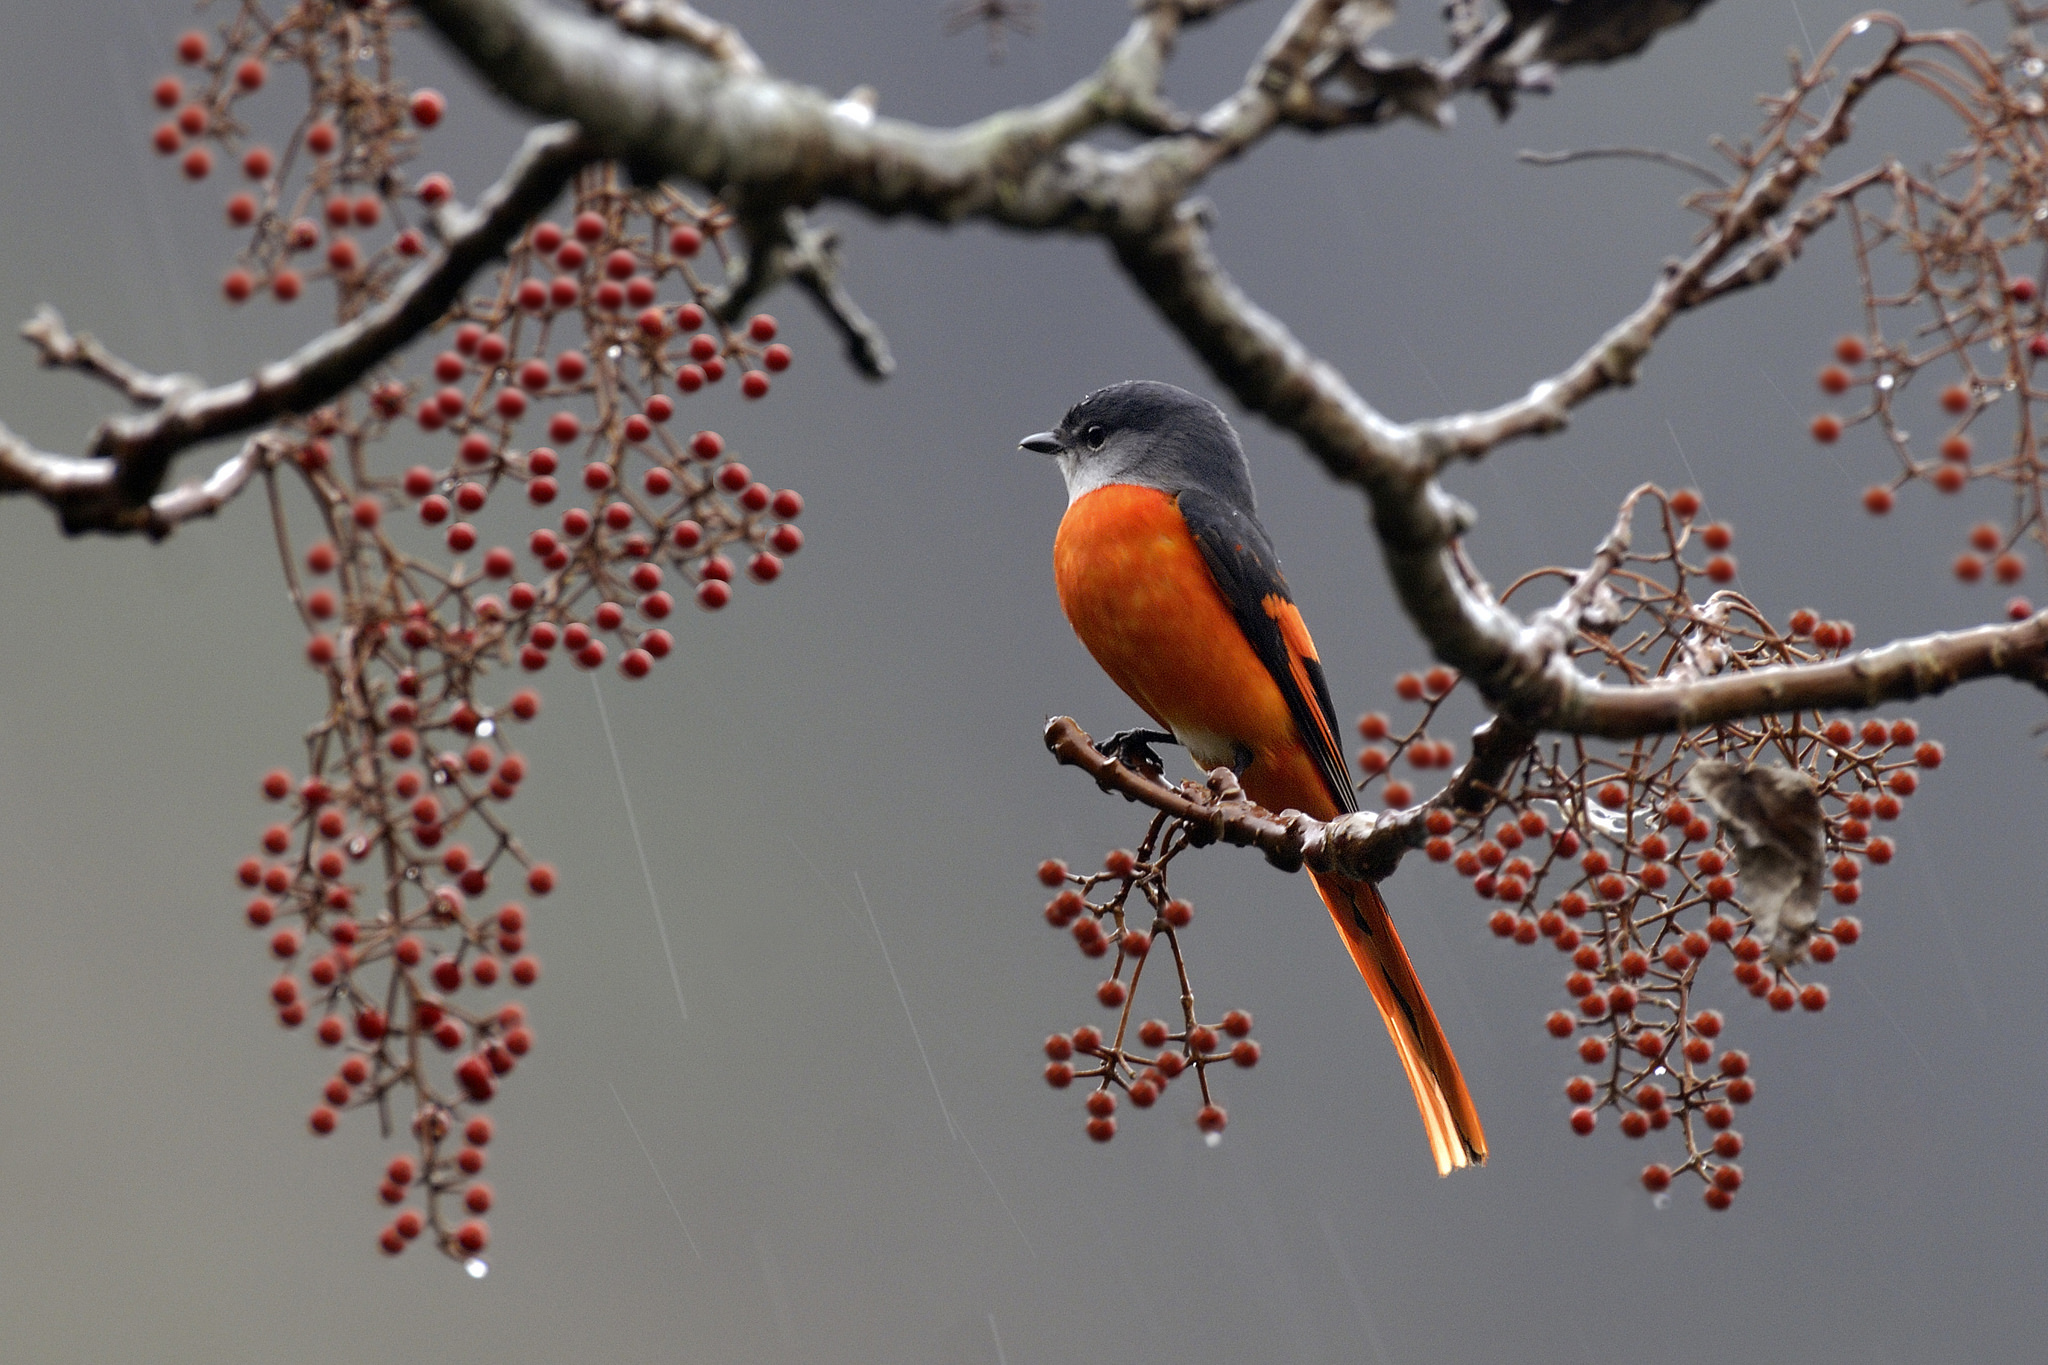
(1455, 1137)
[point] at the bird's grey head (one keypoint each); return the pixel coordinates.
(1150, 434)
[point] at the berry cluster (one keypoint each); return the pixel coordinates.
(1940, 250)
(1129, 885)
(376, 888)
(1616, 860)
(339, 176)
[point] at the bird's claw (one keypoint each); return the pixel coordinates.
(1133, 748)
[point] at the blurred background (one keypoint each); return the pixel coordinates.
(868, 727)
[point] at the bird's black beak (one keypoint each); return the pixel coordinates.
(1044, 443)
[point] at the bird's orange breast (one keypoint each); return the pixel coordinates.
(1136, 589)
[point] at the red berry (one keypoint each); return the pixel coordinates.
(321, 1120)
(1583, 1121)
(1826, 428)
(427, 107)
(191, 47)
(1685, 504)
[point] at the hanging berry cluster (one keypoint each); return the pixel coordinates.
(1615, 858)
(1947, 257)
(381, 887)
(1127, 908)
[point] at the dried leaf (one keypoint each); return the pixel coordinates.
(1773, 817)
(1567, 32)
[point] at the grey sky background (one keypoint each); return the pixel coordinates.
(871, 723)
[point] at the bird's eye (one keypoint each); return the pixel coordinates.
(1095, 435)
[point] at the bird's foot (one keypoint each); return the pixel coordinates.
(1133, 748)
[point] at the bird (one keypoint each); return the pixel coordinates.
(1172, 584)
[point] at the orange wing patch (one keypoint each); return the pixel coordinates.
(1301, 648)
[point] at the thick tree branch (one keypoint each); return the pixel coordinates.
(770, 143)
(1901, 671)
(112, 490)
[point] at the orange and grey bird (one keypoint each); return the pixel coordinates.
(1172, 584)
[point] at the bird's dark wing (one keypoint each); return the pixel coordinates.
(1247, 572)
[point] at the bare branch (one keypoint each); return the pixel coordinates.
(767, 143)
(130, 456)
(1612, 360)
(1900, 671)
(1360, 844)
(786, 247)
(1671, 159)
(679, 22)
(207, 496)
(62, 350)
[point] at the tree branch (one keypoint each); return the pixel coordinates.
(62, 350)
(1901, 671)
(1361, 844)
(112, 490)
(679, 22)
(767, 143)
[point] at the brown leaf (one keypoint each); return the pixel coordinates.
(1773, 817)
(1568, 32)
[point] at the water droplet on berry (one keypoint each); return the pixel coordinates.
(1884, 381)
(486, 728)
(1212, 1139)
(477, 1267)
